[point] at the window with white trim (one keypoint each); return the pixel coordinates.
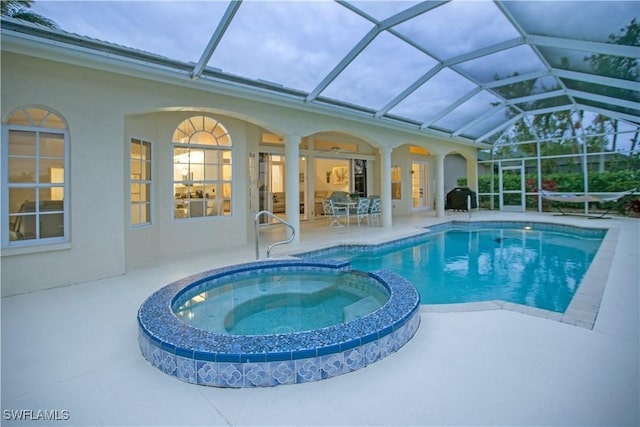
(35, 178)
(201, 169)
(140, 182)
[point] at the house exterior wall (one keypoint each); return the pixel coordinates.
(104, 110)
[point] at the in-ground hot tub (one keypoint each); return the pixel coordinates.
(380, 313)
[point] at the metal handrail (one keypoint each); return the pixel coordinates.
(257, 232)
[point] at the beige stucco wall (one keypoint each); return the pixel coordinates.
(104, 110)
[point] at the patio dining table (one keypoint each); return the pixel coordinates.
(349, 206)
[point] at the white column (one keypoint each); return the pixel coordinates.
(439, 161)
(292, 186)
(385, 185)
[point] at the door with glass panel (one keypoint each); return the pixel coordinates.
(419, 193)
(512, 197)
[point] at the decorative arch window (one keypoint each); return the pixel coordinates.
(35, 178)
(201, 169)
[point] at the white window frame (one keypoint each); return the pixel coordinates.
(186, 142)
(148, 181)
(38, 129)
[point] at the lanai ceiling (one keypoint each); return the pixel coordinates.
(461, 69)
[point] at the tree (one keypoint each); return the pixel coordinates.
(18, 9)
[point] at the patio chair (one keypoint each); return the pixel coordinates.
(375, 208)
(362, 210)
(334, 213)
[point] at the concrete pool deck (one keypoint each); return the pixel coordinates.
(74, 350)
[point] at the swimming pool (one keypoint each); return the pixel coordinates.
(534, 264)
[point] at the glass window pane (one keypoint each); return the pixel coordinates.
(196, 208)
(51, 225)
(146, 171)
(135, 214)
(19, 118)
(51, 144)
(22, 143)
(52, 170)
(224, 140)
(37, 115)
(145, 213)
(209, 124)
(52, 199)
(145, 192)
(53, 121)
(24, 228)
(146, 151)
(226, 172)
(219, 131)
(57, 193)
(211, 173)
(226, 156)
(212, 157)
(135, 148)
(135, 169)
(226, 190)
(203, 138)
(22, 200)
(135, 192)
(22, 170)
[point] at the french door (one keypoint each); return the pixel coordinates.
(512, 194)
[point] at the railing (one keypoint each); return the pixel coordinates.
(283, 242)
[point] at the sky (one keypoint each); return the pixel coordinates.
(297, 43)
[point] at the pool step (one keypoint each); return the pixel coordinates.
(360, 308)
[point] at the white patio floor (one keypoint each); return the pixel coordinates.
(75, 349)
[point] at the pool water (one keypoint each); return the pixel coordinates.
(280, 303)
(537, 267)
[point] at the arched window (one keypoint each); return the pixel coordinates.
(201, 168)
(35, 151)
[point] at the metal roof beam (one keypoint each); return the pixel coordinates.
(515, 79)
(583, 45)
(536, 97)
(604, 99)
(500, 127)
(498, 47)
(344, 62)
(490, 112)
(452, 107)
(547, 110)
(380, 26)
(408, 91)
(592, 78)
(633, 120)
(216, 37)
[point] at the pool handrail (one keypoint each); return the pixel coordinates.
(257, 232)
